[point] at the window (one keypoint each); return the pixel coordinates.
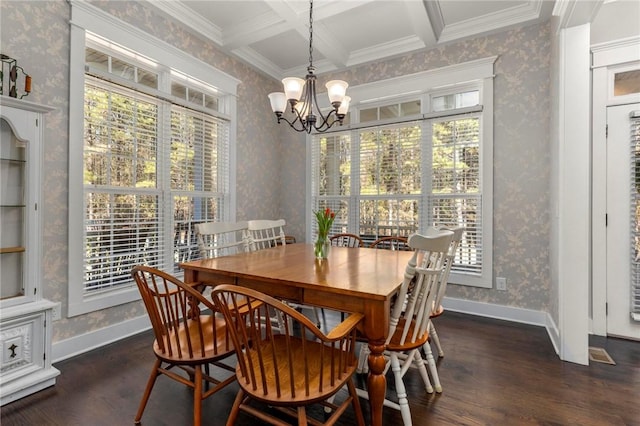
(405, 164)
(626, 83)
(151, 159)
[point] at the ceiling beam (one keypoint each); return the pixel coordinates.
(324, 41)
(419, 16)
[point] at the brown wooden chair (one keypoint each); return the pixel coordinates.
(290, 369)
(410, 318)
(185, 338)
(346, 240)
(391, 243)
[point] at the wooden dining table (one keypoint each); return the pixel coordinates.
(360, 280)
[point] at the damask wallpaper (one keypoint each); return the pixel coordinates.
(271, 159)
(521, 154)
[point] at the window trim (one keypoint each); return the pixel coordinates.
(437, 81)
(85, 17)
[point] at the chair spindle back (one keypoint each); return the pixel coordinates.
(217, 239)
(284, 365)
(181, 332)
(266, 233)
(412, 309)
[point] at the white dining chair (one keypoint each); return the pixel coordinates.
(217, 239)
(410, 318)
(264, 234)
(437, 308)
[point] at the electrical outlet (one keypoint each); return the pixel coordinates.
(56, 313)
(501, 283)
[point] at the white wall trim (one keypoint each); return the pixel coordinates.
(500, 312)
(506, 313)
(615, 52)
(574, 177)
(424, 81)
(554, 333)
(82, 343)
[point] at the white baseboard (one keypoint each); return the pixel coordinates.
(554, 333)
(85, 342)
(506, 313)
(77, 345)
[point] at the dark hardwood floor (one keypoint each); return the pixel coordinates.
(493, 373)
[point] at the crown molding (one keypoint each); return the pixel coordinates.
(491, 22)
(258, 62)
(258, 28)
(386, 50)
(189, 18)
(572, 13)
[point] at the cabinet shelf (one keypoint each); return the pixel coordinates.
(12, 160)
(4, 250)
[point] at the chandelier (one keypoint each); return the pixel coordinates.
(301, 96)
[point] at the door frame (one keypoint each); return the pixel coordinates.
(607, 59)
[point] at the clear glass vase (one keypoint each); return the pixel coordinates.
(321, 247)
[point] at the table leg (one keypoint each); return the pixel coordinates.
(376, 382)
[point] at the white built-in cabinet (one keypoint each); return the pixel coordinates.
(25, 316)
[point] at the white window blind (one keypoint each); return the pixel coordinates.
(199, 163)
(332, 185)
(122, 221)
(634, 216)
(390, 180)
(456, 190)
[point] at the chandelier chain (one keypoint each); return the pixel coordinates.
(311, 35)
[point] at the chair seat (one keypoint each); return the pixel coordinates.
(395, 342)
(214, 345)
(437, 312)
(310, 358)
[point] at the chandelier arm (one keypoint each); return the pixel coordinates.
(322, 116)
(325, 122)
(292, 124)
(326, 125)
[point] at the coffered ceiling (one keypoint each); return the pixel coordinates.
(273, 35)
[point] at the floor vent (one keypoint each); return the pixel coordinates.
(600, 355)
